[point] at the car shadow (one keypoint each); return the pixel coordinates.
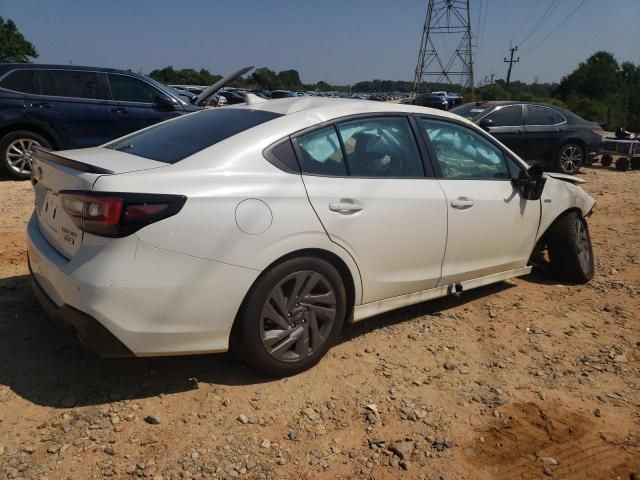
(47, 366)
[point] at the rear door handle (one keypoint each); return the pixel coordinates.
(462, 203)
(42, 105)
(345, 206)
(119, 110)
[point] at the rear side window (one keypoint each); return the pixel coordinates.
(20, 81)
(129, 89)
(70, 83)
(170, 142)
(509, 116)
(537, 115)
(381, 147)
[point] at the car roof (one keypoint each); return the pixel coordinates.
(5, 67)
(329, 108)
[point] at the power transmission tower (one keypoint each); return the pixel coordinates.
(446, 19)
(511, 61)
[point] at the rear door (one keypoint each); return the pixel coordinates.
(508, 127)
(133, 105)
(366, 181)
(491, 227)
(544, 130)
(73, 103)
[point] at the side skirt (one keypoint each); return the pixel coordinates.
(360, 312)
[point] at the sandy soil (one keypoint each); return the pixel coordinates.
(520, 380)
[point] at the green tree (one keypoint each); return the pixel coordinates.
(13, 46)
(266, 78)
(290, 79)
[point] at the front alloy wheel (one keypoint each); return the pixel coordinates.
(291, 317)
(571, 158)
(570, 250)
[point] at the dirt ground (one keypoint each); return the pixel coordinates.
(520, 380)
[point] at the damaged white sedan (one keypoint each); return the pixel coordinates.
(266, 227)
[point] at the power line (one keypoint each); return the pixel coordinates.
(526, 20)
(557, 28)
(484, 21)
(547, 13)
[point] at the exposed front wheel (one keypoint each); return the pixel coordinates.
(291, 317)
(570, 251)
(15, 152)
(570, 158)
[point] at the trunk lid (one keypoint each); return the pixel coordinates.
(53, 173)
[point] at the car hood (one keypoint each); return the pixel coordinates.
(204, 96)
(567, 178)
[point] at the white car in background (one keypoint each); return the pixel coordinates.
(266, 227)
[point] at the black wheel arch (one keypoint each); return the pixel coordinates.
(41, 130)
(330, 257)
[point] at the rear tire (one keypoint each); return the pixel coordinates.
(570, 250)
(291, 317)
(570, 158)
(622, 164)
(15, 152)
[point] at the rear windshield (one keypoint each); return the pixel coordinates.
(172, 141)
(471, 110)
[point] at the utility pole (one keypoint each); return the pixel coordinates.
(511, 61)
(445, 20)
(492, 75)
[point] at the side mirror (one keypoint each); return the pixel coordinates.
(486, 123)
(531, 183)
(165, 101)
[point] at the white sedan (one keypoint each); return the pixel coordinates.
(265, 227)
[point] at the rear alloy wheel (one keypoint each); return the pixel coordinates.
(15, 152)
(570, 250)
(570, 158)
(292, 316)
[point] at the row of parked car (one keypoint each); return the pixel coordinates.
(66, 107)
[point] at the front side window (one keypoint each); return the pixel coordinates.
(129, 89)
(381, 147)
(509, 116)
(537, 115)
(321, 153)
(462, 153)
(20, 81)
(171, 141)
(71, 83)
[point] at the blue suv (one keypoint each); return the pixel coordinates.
(63, 107)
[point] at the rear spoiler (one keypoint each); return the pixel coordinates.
(44, 154)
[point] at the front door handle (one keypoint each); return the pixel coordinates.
(345, 206)
(462, 203)
(119, 110)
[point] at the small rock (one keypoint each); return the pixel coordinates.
(621, 359)
(403, 449)
(311, 414)
(152, 420)
(109, 450)
(369, 350)
(53, 448)
(449, 365)
(548, 472)
(404, 464)
(597, 413)
(266, 444)
(242, 418)
(464, 370)
(548, 460)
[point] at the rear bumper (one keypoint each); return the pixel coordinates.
(125, 297)
(90, 332)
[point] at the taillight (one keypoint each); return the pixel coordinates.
(118, 214)
(599, 131)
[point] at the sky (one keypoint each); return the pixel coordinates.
(338, 41)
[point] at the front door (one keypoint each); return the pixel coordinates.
(491, 227)
(133, 105)
(365, 180)
(508, 127)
